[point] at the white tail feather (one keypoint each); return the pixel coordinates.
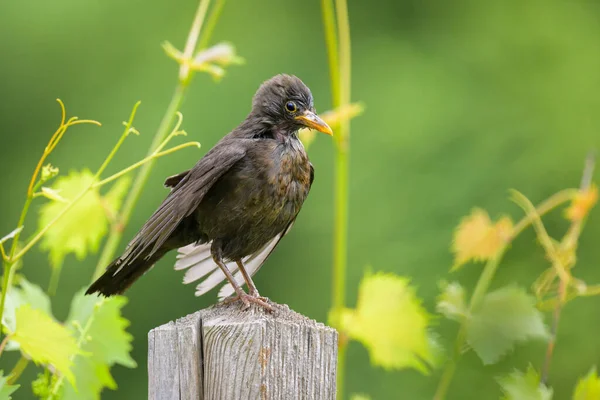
(214, 279)
(198, 258)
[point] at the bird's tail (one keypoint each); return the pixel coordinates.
(120, 275)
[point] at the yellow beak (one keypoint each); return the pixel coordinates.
(312, 120)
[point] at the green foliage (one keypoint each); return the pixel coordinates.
(43, 384)
(451, 302)
(88, 219)
(588, 388)
(44, 340)
(26, 293)
(6, 390)
(391, 323)
(519, 386)
(106, 343)
(505, 316)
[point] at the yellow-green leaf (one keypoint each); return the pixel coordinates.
(588, 388)
(26, 293)
(81, 230)
(582, 204)
(391, 323)
(519, 386)
(45, 341)
(107, 343)
(505, 316)
(6, 390)
(478, 239)
(451, 302)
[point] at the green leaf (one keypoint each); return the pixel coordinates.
(505, 316)
(45, 341)
(107, 344)
(44, 383)
(25, 293)
(519, 386)
(451, 302)
(588, 388)
(81, 230)
(5, 389)
(391, 323)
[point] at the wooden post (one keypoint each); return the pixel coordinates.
(224, 353)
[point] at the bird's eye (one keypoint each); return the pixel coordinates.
(290, 106)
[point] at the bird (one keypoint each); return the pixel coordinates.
(226, 214)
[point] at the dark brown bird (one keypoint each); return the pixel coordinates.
(227, 213)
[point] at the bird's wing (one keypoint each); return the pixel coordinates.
(184, 198)
(173, 180)
(197, 259)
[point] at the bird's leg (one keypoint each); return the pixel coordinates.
(252, 291)
(244, 297)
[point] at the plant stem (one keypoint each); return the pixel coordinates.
(562, 289)
(54, 278)
(185, 74)
(3, 343)
(339, 67)
(8, 264)
(569, 242)
(192, 40)
(485, 279)
(211, 23)
(17, 370)
(332, 49)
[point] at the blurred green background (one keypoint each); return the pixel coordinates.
(465, 99)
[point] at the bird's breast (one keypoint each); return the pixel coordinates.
(291, 177)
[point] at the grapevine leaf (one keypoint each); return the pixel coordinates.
(81, 231)
(25, 293)
(505, 316)
(519, 386)
(391, 323)
(478, 239)
(588, 388)
(45, 341)
(6, 390)
(107, 344)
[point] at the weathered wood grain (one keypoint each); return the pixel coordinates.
(223, 353)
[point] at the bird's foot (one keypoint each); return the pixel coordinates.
(254, 293)
(247, 299)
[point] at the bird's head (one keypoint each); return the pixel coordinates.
(285, 103)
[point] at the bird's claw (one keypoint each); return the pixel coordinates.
(247, 299)
(254, 293)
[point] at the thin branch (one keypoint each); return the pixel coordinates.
(190, 45)
(4, 342)
(17, 370)
(144, 161)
